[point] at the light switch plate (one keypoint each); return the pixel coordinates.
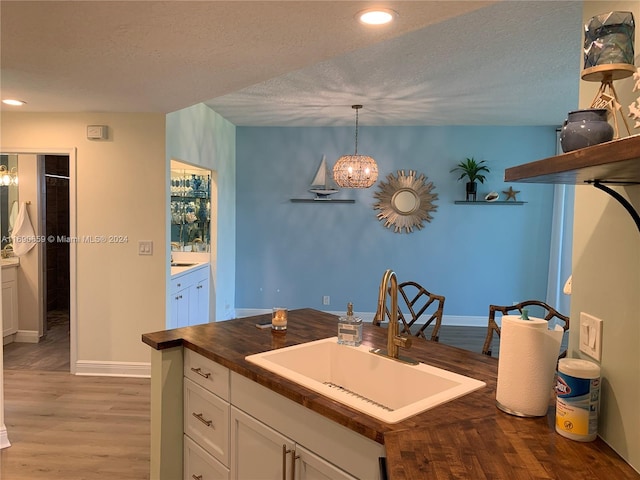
(145, 247)
(591, 335)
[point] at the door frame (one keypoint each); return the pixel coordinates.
(73, 233)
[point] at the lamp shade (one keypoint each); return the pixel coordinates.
(608, 46)
(355, 171)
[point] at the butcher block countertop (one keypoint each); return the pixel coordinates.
(467, 438)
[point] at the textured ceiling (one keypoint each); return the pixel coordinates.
(297, 62)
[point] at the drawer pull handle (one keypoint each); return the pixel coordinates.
(196, 477)
(208, 423)
(199, 372)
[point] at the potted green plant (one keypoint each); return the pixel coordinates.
(473, 171)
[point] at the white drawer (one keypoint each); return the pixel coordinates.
(178, 284)
(206, 420)
(199, 465)
(206, 373)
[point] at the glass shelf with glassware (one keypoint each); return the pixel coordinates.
(190, 208)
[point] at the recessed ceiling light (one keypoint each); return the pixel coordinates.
(378, 16)
(11, 101)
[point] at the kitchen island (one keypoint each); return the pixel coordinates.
(465, 438)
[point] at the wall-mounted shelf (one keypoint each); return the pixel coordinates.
(318, 200)
(616, 162)
(483, 202)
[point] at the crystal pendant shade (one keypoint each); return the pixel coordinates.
(355, 171)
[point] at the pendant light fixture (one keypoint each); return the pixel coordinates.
(355, 171)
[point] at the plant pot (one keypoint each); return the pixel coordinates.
(584, 128)
(472, 189)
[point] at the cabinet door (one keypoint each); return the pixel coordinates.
(9, 307)
(257, 450)
(179, 309)
(312, 467)
(200, 312)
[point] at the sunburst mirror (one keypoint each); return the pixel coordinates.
(405, 201)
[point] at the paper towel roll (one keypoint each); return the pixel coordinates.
(526, 365)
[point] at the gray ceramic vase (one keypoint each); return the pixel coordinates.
(584, 128)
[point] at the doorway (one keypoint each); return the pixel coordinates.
(55, 262)
(49, 182)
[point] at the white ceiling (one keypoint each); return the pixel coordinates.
(297, 62)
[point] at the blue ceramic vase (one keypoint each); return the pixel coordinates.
(584, 128)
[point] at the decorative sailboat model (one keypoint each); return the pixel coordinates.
(323, 184)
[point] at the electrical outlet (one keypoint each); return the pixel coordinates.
(591, 336)
(326, 300)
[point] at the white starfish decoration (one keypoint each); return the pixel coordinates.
(634, 108)
(636, 77)
(634, 112)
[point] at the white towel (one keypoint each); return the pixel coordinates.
(13, 215)
(23, 236)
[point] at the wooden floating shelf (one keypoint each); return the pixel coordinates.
(313, 200)
(617, 161)
(484, 202)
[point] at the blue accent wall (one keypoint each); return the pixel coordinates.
(292, 254)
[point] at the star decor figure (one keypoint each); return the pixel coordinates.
(511, 193)
(634, 108)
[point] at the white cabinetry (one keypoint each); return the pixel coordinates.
(262, 422)
(199, 297)
(205, 418)
(189, 298)
(237, 429)
(9, 300)
(261, 453)
(257, 451)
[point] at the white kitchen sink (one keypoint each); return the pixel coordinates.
(383, 388)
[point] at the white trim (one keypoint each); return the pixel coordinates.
(453, 320)
(113, 369)
(27, 336)
(465, 321)
(4, 438)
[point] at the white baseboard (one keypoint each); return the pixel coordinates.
(453, 320)
(27, 336)
(4, 438)
(465, 321)
(113, 369)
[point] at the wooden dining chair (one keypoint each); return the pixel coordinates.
(548, 311)
(419, 302)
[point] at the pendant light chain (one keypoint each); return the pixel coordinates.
(357, 107)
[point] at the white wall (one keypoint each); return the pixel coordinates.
(606, 280)
(121, 190)
(199, 136)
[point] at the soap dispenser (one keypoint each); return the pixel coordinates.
(350, 328)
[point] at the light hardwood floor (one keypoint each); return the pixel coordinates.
(66, 427)
(63, 426)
